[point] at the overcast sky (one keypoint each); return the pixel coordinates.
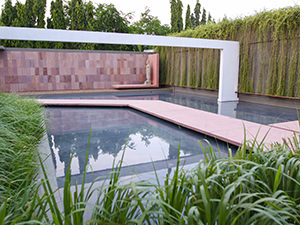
(217, 8)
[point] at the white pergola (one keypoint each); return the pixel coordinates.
(229, 60)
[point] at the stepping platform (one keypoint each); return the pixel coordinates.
(231, 130)
(134, 86)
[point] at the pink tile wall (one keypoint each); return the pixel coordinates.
(154, 63)
(29, 71)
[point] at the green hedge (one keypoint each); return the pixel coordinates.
(269, 54)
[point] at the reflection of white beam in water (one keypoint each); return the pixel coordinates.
(45, 154)
(59, 165)
(227, 109)
(156, 150)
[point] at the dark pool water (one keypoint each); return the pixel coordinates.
(254, 112)
(147, 141)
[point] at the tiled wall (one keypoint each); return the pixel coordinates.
(41, 70)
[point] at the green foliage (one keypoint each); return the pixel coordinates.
(8, 13)
(269, 55)
(176, 16)
(197, 15)
(58, 16)
(39, 9)
(183, 81)
(188, 20)
(292, 70)
(149, 24)
(209, 18)
(21, 129)
(192, 68)
(109, 19)
(203, 18)
(76, 15)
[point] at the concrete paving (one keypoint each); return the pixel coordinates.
(231, 130)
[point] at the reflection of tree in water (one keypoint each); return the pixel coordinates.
(112, 141)
(147, 133)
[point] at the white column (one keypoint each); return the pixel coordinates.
(229, 73)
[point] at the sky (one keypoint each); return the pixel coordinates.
(218, 8)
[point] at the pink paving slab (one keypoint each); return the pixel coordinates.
(225, 128)
(290, 126)
(132, 86)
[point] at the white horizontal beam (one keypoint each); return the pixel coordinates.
(229, 65)
(37, 34)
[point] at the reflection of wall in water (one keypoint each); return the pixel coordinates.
(77, 119)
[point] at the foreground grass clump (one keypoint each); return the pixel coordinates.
(21, 129)
(253, 187)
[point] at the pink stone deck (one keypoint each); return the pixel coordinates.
(224, 128)
(293, 126)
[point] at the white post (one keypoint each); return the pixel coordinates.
(229, 74)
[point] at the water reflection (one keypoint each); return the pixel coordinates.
(259, 113)
(144, 138)
(254, 112)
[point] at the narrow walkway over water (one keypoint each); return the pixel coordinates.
(224, 128)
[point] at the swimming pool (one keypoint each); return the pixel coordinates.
(254, 112)
(147, 141)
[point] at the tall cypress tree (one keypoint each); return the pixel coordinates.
(179, 16)
(203, 19)
(39, 9)
(57, 20)
(58, 17)
(197, 14)
(21, 18)
(75, 9)
(188, 21)
(176, 16)
(209, 18)
(78, 17)
(173, 16)
(89, 15)
(30, 19)
(8, 13)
